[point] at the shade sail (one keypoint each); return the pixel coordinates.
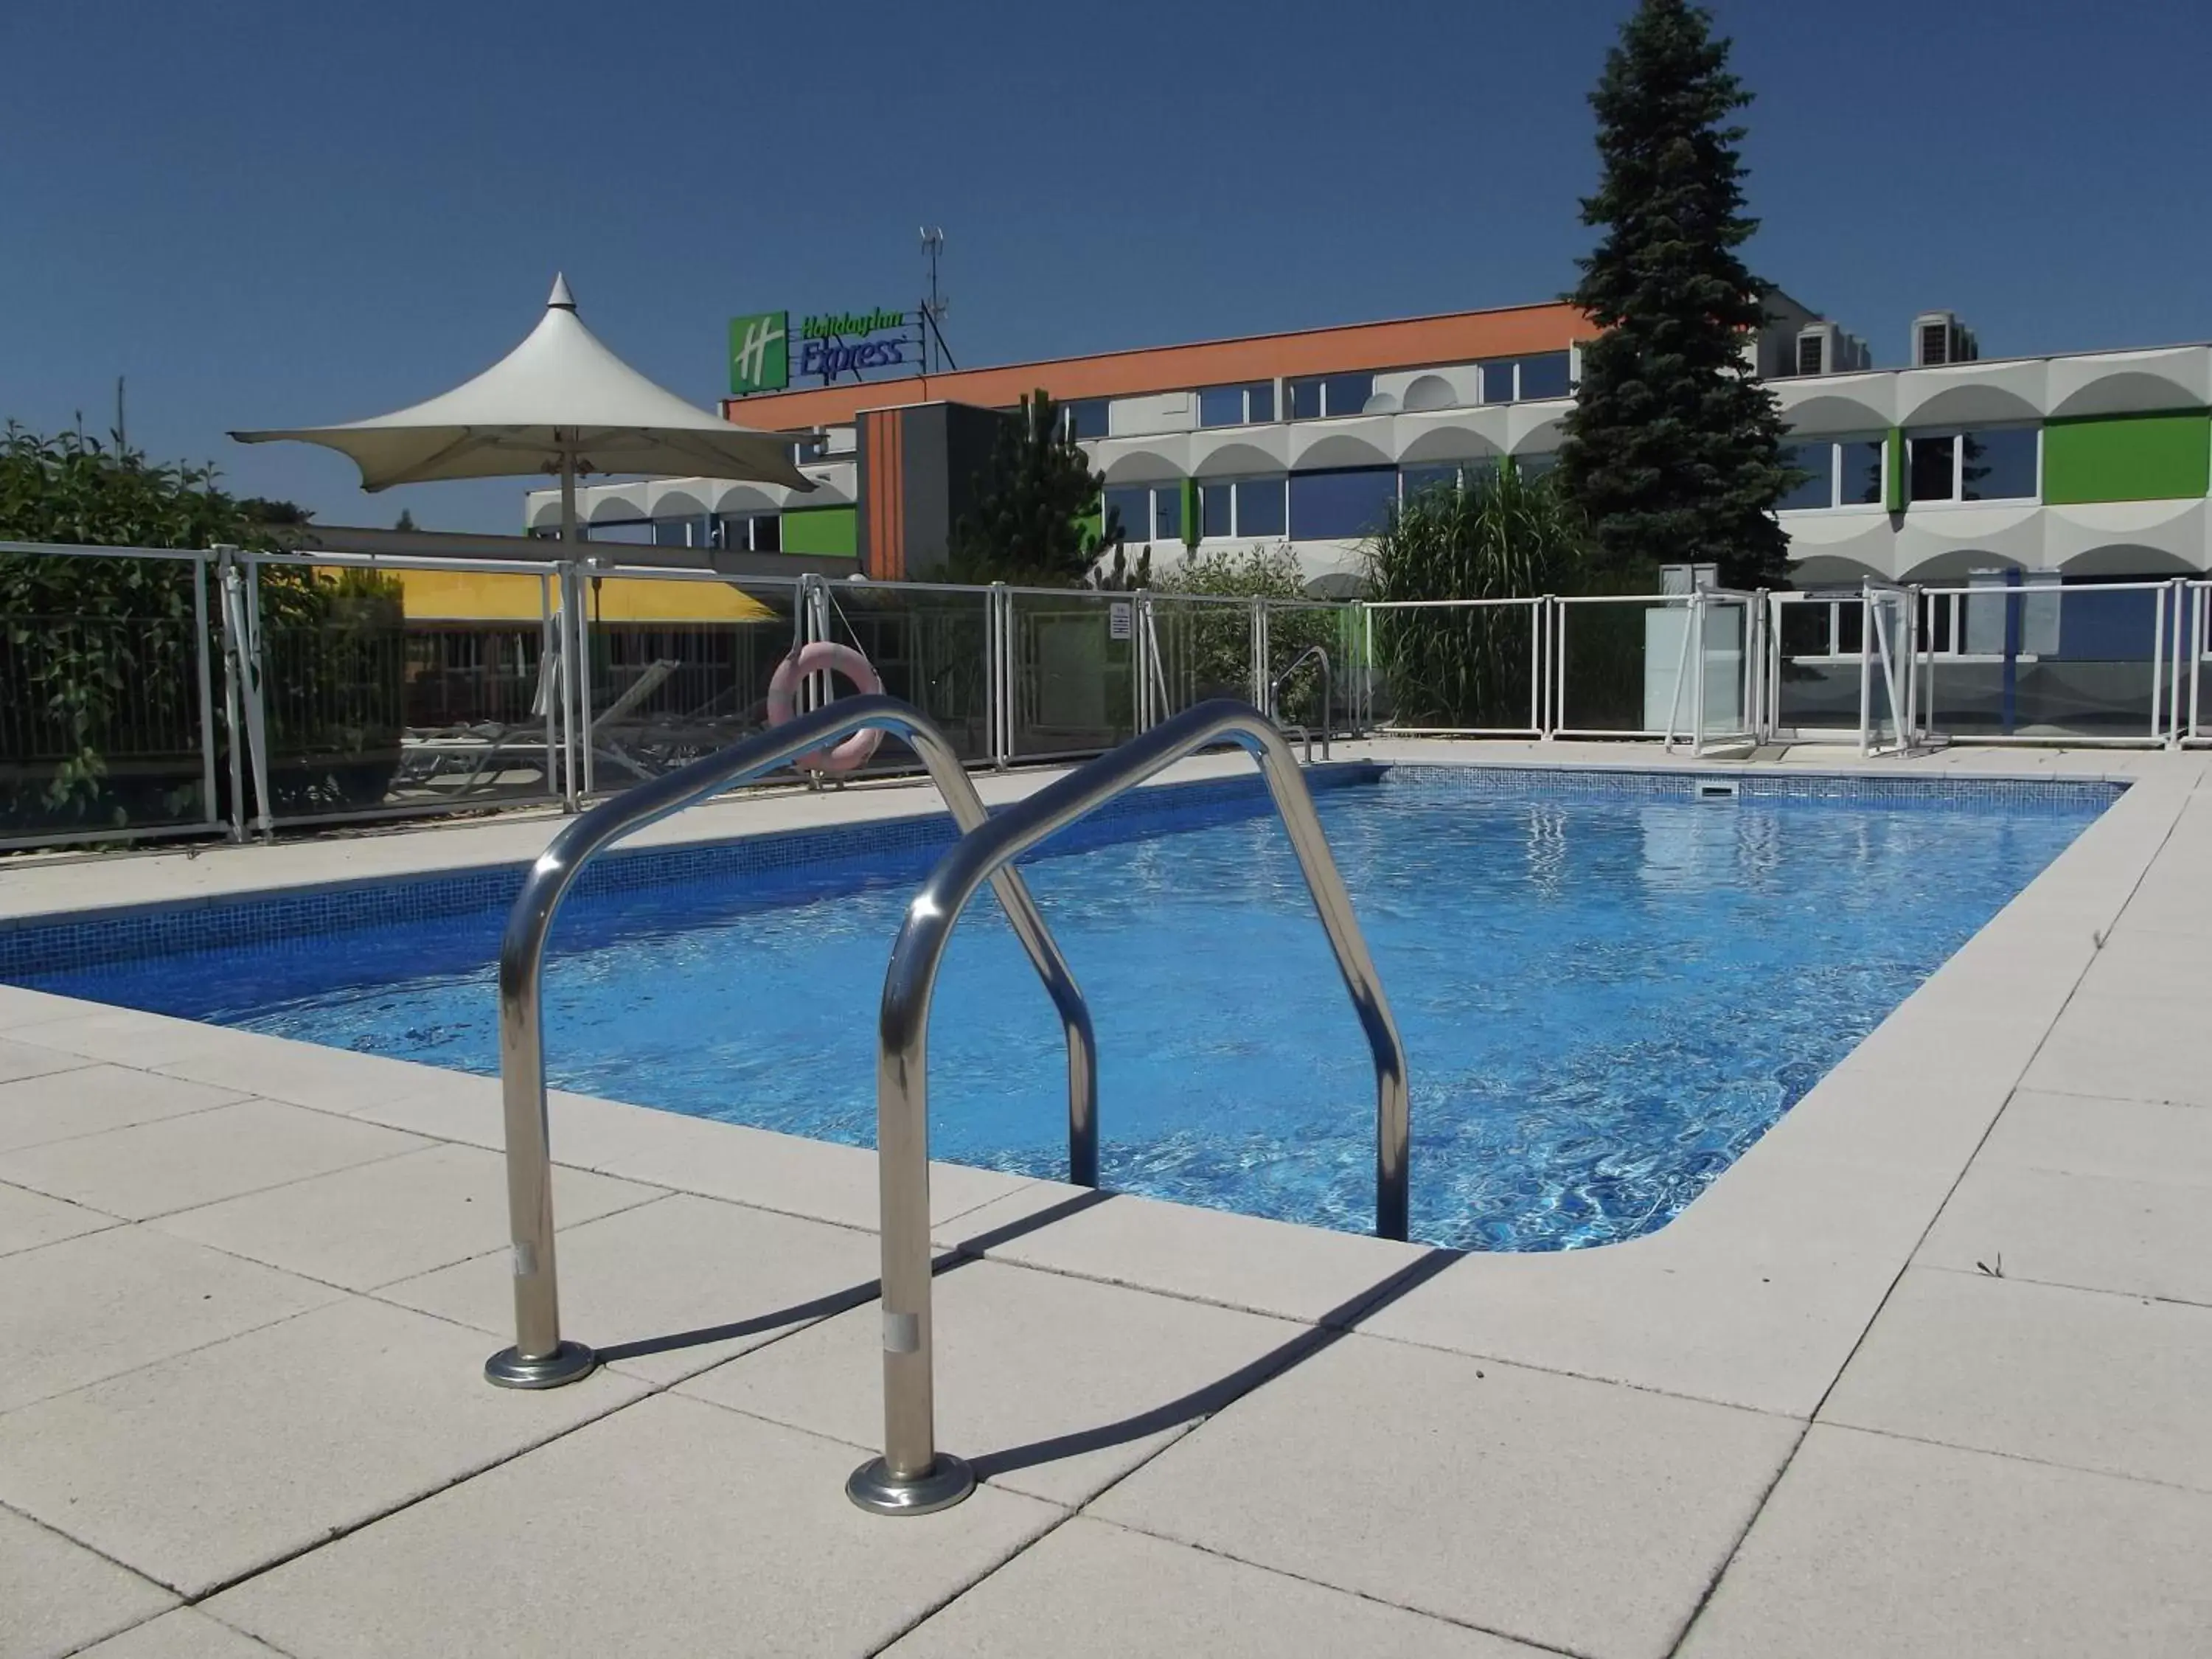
(560, 401)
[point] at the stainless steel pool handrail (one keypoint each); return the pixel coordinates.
(912, 1477)
(539, 1357)
(1327, 687)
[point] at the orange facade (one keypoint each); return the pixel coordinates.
(1412, 342)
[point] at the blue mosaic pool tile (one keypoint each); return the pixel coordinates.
(32, 949)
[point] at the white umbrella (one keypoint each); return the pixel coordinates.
(560, 402)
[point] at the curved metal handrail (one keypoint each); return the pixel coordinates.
(539, 1358)
(912, 1477)
(1328, 689)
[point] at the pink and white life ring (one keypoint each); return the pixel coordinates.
(820, 656)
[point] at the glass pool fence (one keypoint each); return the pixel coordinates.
(151, 692)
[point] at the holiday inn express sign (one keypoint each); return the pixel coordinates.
(830, 343)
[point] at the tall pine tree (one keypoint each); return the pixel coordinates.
(1673, 449)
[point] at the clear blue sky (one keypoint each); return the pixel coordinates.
(280, 214)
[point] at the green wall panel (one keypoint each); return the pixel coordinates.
(1894, 485)
(1190, 527)
(2128, 458)
(834, 530)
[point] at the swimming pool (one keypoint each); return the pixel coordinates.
(1608, 986)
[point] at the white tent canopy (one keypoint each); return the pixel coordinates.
(559, 403)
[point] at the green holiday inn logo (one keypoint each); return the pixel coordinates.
(760, 352)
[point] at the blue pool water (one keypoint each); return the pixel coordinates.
(1605, 997)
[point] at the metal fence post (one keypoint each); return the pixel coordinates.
(1259, 652)
(201, 626)
(998, 653)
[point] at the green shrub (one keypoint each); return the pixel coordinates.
(100, 715)
(1501, 536)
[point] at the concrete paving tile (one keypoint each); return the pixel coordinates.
(2125, 1140)
(2105, 1383)
(1211, 1255)
(328, 1079)
(1522, 1503)
(1871, 1546)
(673, 1287)
(1088, 1590)
(57, 1597)
(28, 1220)
(88, 1307)
(184, 1634)
(130, 1037)
(2125, 1048)
(2137, 961)
(2138, 1238)
(1755, 1296)
(21, 1060)
(182, 1162)
(395, 1219)
(91, 1099)
(1048, 1385)
(244, 1452)
(671, 1528)
(814, 1178)
(21, 1005)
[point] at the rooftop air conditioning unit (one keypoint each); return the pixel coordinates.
(1825, 349)
(1939, 337)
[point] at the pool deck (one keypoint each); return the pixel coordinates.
(1924, 1373)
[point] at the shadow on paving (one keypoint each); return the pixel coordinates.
(1332, 1327)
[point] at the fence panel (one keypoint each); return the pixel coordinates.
(1621, 666)
(1818, 639)
(389, 688)
(931, 646)
(2044, 662)
(1295, 627)
(1458, 665)
(1200, 648)
(107, 717)
(1072, 663)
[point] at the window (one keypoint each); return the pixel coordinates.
(1992, 463)
(1998, 465)
(1845, 472)
(1934, 470)
(1242, 506)
(631, 532)
(1341, 506)
(679, 532)
(1084, 417)
(1150, 512)
(1317, 397)
(1536, 463)
(748, 532)
(1413, 480)
(1167, 508)
(1860, 472)
(1260, 508)
(1522, 379)
(1237, 405)
(1819, 488)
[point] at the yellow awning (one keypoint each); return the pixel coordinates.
(495, 596)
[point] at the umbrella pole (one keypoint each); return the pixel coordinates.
(571, 659)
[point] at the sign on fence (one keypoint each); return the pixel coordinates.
(1118, 620)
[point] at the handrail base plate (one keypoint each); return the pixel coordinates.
(948, 1481)
(571, 1362)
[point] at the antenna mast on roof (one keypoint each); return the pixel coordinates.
(935, 306)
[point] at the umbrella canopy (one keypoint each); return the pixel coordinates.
(561, 403)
